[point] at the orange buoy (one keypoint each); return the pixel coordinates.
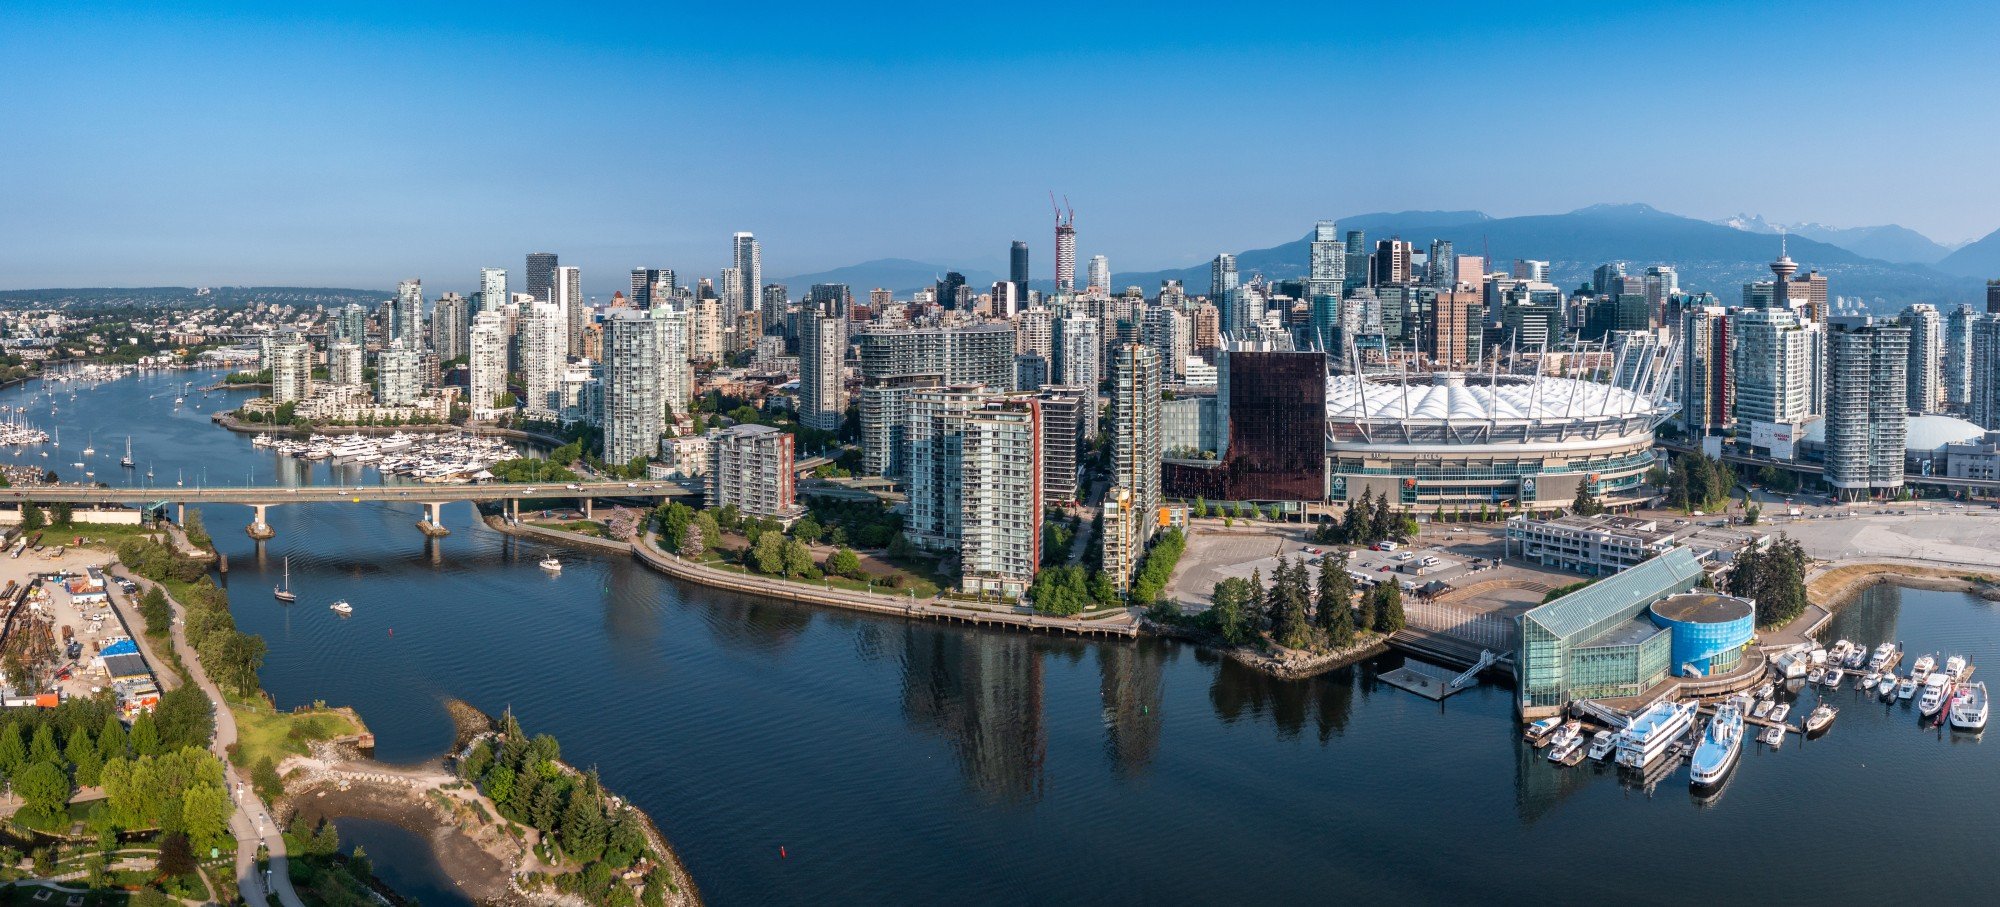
(781, 853)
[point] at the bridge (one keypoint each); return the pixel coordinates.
(261, 498)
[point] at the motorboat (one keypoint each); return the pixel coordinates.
(1906, 689)
(1538, 732)
(1856, 658)
(1761, 709)
(1778, 713)
(342, 608)
(1869, 680)
(126, 461)
(1936, 691)
(1954, 667)
(1834, 676)
(1923, 668)
(1968, 710)
(1816, 675)
(1820, 718)
(1774, 736)
(1600, 745)
(1889, 687)
(1653, 732)
(1720, 743)
(1838, 652)
(1767, 690)
(551, 564)
(283, 591)
(1570, 748)
(1881, 657)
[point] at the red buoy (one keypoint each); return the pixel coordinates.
(781, 853)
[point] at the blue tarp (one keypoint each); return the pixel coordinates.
(121, 647)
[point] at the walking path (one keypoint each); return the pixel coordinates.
(251, 823)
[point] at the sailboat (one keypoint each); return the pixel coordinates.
(283, 592)
(127, 461)
(90, 446)
(58, 441)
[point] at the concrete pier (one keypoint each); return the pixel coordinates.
(260, 529)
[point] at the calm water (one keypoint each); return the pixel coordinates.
(905, 762)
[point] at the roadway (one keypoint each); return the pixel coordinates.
(281, 494)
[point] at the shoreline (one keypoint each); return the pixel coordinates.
(1841, 583)
(250, 428)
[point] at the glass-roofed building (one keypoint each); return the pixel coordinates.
(1601, 641)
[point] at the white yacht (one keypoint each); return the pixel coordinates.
(1869, 680)
(1816, 675)
(1834, 676)
(1773, 736)
(1600, 745)
(1538, 732)
(1921, 671)
(1820, 718)
(1653, 732)
(1936, 690)
(1761, 709)
(1881, 656)
(1968, 711)
(1716, 754)
(1954, 667)
(551, 564)
(1783, 709)
(1906, 689)
(342, 608)
(1567, 750)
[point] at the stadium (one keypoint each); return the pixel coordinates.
(1459, 441)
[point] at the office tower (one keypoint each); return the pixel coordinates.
(344, 364)
(1000, 505)
(1706, 397)
(1357, 261)
(947, 288)
(1993, 297)
(291, 368)
(1017, 270)
(1471, 271)
(1924, 374)
(1326, 270)
(822, 392)
(634, 405)
(541, 275)
(1441, 265)
(1100, 274)
(492, 289)
(398, 376)
(1392, 262)
(405, 315)
(451, 326)
(1168, 334)
(706, 342)
(486, 365)
(1530, 270)
(897, 362)
(1246, 312)
(1662, 284)
(1130, 507)
(351, 324)
(542, 344)
(1207, 327)
(1078, 341)
(648, 281)
(748, 259)
(1454, 332)
(1034, 332)
(750, 466)
(566, 294)
(1003, 302)
(1956, 377)
(775, 302)
(676, 376)
(1607, 279)
(1771, 367)
(1222, 287)
(1323, 322)
(1065, 252)
(1867, 398)
(1069, 418)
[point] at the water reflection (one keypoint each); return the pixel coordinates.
(982, 692)
(1131, 681)
(1324, 701)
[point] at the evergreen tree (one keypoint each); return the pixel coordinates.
(1586, 503)
(1382, 523)
(1336, 597)
(1290, 624)
(583, 829)
(13, 751)
(145, 736)
(1364, 620)
(1388, 608)
(1354, 523)
(81, 751)
(111, 739)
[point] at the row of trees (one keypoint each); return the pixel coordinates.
(1697, 481)
(1369, 519)
(694, 533)
(1296, 612)
(1066, 590)
(1151, 578)
(1775, 577)
(231, 656)
(46, 754)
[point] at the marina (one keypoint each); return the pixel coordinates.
(454, 458)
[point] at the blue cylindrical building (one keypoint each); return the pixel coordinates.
(1709, 630)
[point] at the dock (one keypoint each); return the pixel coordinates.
(1433, 681)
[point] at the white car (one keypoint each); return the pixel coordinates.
(574, 487)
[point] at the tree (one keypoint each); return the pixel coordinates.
(807, 530)
(43, 789)
(60, 513)
(1388, 607)
(31, 517)
(1586, 503)
(1290, 625)
(692, 539)
(1232, 601)
(674, 520)
(768, 553)
(1200, 508)
(205, 810)
(176, 855)
(1336, 601)
(583, 830)
(844, 562)
(1382, 522)
(798, 558)
(81, 751)
(13, 752)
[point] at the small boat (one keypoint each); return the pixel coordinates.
(1600, 746)
(1720, 743)
(1834, 676)
(1921, 671)
(1888, 688)
(126, 461)
(1773, 736)
(1761, 709)
(1816, 675)
(1954, 667)
(1968, 711)
(1937, 691)
(1881, 656)
(342, 608)
(1767, 690)
(1570, 748)
(1856, 657)
(1820, 718)
(1778, 714)
(1906, 689)
(551, 564)
(90, 446)
(1838, 653)
(1868, 681)
(283, 591)
(1538, 732)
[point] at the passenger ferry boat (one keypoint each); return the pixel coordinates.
(1720, 744)
(1653, 732)
(1968, 711)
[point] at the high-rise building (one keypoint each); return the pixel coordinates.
(1100, 274)
(1455, 329)
(935, 435)
(774, 302)
(486, 365)
(1171, 338)
(1034, 332)
(1078, 343)
(634, 402)
(645, 281)
(1867, 399)
(1000, 506)
(451, 326)
(1706, 396)
(1207, 327)
(1246, 311)
(1982, 404)
(351, 324)
(566, 294)
(1471, 271)
(1993, 297)
(676, 376)
(492, 290)
(834, 298)
(1441, 265)
(948, 287)
(542, 344)
(398, 375)
(1003, 301)
(406, 315)
(1031, 371)
(1326, 270)
(1662, 284)
(1357, 261)
(1772, 368)
(1069, 419)
(822, 390)
(1392, 262)
(750, 466)
(1924, 374)
(1131, 506)
(1956, 377)
(705, 344)
(732, 294)
(1531, 270)
(895, 363)
(1222, 288)
(344, 364)
(1065, 253)
(749, 262)
(1017, 270)
(541, 275)
(291, 368)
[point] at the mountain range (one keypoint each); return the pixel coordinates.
(1713, 257)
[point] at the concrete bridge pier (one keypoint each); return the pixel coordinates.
(259, 529)
(588, 511)
(433, 524)
(514, 510)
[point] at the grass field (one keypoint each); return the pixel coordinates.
(264, 734)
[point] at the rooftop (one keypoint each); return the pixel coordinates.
(1453, 397)
(1630, 633)
(1703, 608)
(1675, 570)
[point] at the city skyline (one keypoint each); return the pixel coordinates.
(288, 148)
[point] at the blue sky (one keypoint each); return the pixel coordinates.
(356, 144)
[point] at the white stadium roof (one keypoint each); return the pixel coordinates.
(1457, 399)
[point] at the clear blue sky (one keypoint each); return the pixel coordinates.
(356, 144)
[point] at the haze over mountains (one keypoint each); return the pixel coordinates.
(1713, 257)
